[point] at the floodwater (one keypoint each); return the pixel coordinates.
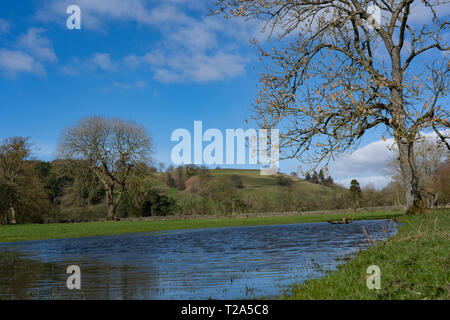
(219, 263)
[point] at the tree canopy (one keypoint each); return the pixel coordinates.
(112, 147)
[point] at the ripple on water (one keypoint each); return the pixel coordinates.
(220, 263)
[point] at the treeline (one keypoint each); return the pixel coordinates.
(104, 173)
(70, 191)
(319, 178)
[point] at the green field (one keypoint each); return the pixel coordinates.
(252, 179)
(415, 264)
(13, 233)
(265, 194)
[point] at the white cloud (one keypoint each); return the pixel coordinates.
(164, 16)
(4, 26)
(370, 160)
(131, 85)
(193, 37)
(14, 62)
(203, 43)
(420, 14)
(71, 69)
(98, 61)
(32, 49)
(371, 163)
(196, 67)
(97, 14)
(190, 50)
(102, 61)
(132, 61)
(37, 45)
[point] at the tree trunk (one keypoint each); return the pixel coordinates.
(13, 215)
(404, 139)
(436, 199)
(110, 203)
(414, 201)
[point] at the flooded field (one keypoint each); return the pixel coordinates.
(220, 263)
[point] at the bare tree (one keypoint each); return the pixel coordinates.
(430, 154)
(13, 152)
(339, 73)
(441, 183)
(112, 147)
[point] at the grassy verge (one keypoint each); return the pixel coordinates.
(415, 264)
(10, 233)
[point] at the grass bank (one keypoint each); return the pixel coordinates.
(14, 233)
(415, 264)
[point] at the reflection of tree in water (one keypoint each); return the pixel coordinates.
(24, 278)
(18, 275)
(118, 282)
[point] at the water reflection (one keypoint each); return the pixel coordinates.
(221, 263)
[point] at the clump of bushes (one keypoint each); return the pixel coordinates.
(283, 180)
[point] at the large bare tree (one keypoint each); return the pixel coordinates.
(339, 72)
(13, 153)
(112, 147)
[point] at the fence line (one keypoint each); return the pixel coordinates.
(268, 214)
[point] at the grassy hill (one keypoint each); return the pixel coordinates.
(255, 183)
(253, 179)
(228, 191)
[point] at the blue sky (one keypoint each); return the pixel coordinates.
(163, 64)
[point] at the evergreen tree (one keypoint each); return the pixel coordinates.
(355, 191)
(321, 177)
(329, 182)
(315, 178)
(308, 177)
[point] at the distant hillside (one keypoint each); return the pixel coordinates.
(228, 191)
(252, 179)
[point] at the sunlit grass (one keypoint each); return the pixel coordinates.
(415, 264)
(13, 233)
